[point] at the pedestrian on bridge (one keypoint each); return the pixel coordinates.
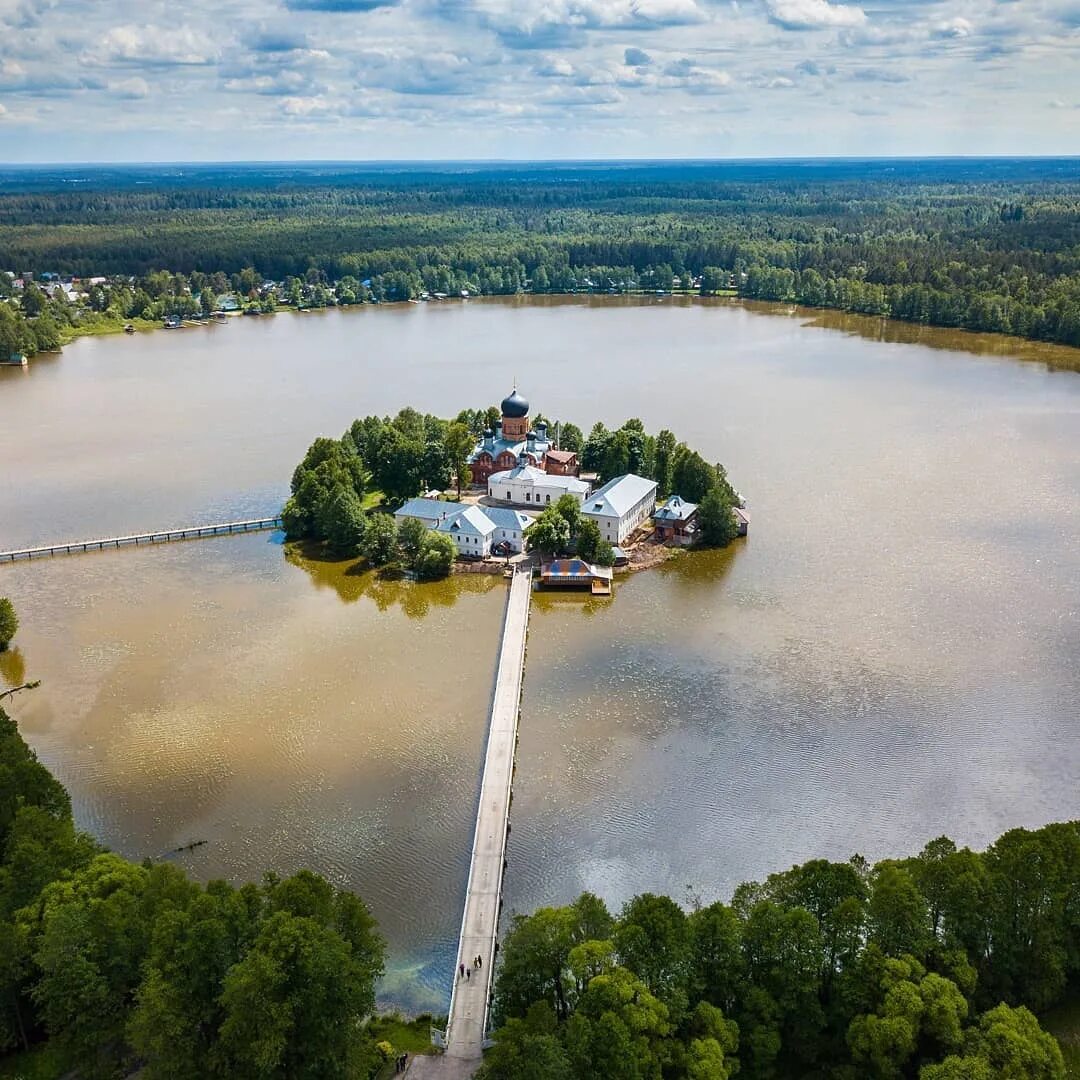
(468, 973)
(461, 971)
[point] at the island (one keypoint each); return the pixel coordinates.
(493, 487)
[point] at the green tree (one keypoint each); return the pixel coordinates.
(528, 1050)
(25, 782)
(717, 519)
(460, 442)
(1006, 1043)
(379, 544)
(33, 300)
(174, 1024)
(664, 462)
(342, 520)
(88, 937)
(533, 964)
(897, 912)
(570, 437)
(400, 465)
(9, 622)
(549, 533)
(616, 459)
(410, 534)
(294, 1004)
(435, 557)
(570, 509)
(653, 941)
(591, 546)
(692, 476)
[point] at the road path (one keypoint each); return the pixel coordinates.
(469, 1003)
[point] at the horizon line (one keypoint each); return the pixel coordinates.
(510, 161)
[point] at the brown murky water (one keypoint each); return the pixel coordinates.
(890, 655)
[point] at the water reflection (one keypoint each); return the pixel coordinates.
(352, 580)
(12, 666)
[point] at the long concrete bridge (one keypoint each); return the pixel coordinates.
(470, 1000)
(187, 532)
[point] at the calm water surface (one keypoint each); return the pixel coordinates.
(890, 655)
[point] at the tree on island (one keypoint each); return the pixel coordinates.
(591, 546)
(716, 519)
(435, 557)
(459, 445)
(9, 622)
(549, 533)
(570, 437)
(380, 542)
(410, 536)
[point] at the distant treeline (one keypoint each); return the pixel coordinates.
(126, 967)
(928, 967)
(992, 246)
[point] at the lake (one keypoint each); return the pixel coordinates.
(890, 655)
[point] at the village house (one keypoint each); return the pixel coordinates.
(428, 511)
(477, 530)
(527, 485)
(621, 505)
(562, 463)
(510, 525)
(471, 529)
(676, 522)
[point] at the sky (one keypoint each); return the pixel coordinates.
(216, 80)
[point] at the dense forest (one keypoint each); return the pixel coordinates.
(122, 965)
(989, 245)
(930, 967)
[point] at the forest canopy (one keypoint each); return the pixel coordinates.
(988, 245)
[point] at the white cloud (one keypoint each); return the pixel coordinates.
(154, 46)
(131, 89)
(957, 27)
(525, 24)
(555, 67)
(813, 14)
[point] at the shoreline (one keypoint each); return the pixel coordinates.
(882, 328)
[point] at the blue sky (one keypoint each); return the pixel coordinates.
(136, 80)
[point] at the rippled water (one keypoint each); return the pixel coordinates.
(891, 653)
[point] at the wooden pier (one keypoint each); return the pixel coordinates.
(471, 998)
(189, 532)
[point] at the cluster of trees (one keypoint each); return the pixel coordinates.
(328, 505)
(124, 966)
(673, 465)
(9, 622)
(982, 245)
(562, 528)
(930, 967)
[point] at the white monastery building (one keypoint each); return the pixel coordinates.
(527, 485)
(476, 530)
(621, 505)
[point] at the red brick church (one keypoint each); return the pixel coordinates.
(514, 441)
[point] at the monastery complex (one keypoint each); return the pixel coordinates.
(521, 470)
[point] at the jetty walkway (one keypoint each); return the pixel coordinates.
(189, 532)
(471, 998)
